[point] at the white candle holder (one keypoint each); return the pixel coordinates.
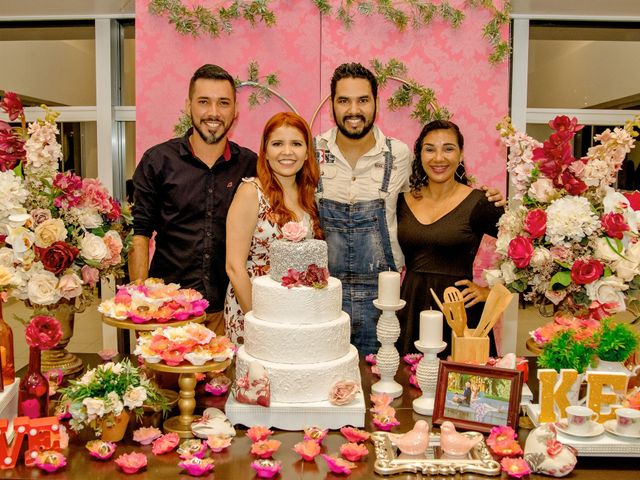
(388, 358)
(427, 375)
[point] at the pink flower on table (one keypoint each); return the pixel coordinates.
(266, 468)
(385, 423)
(375, 370)
(265, 448)
(338, 465)
(515, 467)
(507, 449)
(192, 448)
(413, 381)
(412, 358)
(217, 443)
(101, 450)
(371, 359)
(355, 435)
(501, 435)
(353, 451)
(50, 461)
(165, 443)
(146, 435)
(381, 399)
(196, 466)
(131, 462)
(258, 432)
(315, 433)
(307, 449)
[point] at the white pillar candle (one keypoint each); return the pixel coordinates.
(431, 328)
(389, 288)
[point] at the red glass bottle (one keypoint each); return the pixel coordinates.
(6, 352)
(33, 393)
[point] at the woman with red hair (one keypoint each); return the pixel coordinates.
(283, 192)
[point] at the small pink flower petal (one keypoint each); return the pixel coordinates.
(217, 443)
(354, 435)
(353, 451)
(196, 466)
(515, 467)
(307, 449)
(338, 465)
(266, 468)
(371, 359)
(258, 432)
(50, 461)
(131, 462)
(101, 450)
(315, 433)
(146, 435)
(165, 443)
(265, 448)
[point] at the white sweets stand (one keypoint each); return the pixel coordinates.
(427, 375)
(388, 358)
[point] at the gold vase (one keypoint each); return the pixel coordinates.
(114, 428)
(58, 357)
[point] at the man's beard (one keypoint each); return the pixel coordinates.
(358, 134)
(210, 138)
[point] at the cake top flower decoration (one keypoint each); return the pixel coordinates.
(294, 231)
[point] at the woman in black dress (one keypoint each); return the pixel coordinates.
(440, 224)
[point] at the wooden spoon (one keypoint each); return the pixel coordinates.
(453, 296)
(497, 302)
(446, 311)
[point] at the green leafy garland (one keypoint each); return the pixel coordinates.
(416, 13)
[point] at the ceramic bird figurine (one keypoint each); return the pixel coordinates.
(454, 443)
(415, 441)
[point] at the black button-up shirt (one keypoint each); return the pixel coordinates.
(186, 203)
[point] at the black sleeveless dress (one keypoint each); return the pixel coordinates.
(438, 255)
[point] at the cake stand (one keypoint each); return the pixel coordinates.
(149, 326)
(181, 424)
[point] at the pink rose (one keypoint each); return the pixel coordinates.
(521, 251)
(90, 275)
(343, 392)
(614, 225)
(43, 332)
(586, 271)
(560, 254)
(70, 286)
(535, 223)
(113, 242)
(294, 231)
(39, 215)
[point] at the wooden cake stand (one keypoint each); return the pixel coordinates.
(181, 424)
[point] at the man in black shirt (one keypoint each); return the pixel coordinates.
(182, 191)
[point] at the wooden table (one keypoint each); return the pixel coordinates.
(233, 464)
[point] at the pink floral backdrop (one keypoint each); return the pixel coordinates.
(303, 49)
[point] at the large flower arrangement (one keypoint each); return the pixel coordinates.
(573, 240)
(58, 232)
(105, 392)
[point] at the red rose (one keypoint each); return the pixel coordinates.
(634, 199)
(521, 251)
(572, 184)
(58, 257)
(43, 332)
(12, 105)
(614, 225)
(535, 223)
(586, 271)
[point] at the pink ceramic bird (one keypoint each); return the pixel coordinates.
(415, 441)
(454, 443)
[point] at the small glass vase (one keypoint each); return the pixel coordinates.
(33, 393)
(6, 352)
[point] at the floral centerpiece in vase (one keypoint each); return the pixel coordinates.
(104, 397)
(572, 242)
(59, 233)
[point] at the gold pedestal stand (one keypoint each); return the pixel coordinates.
(181, 424)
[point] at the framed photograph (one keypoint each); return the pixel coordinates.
(478, 398)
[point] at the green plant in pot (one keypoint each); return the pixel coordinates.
(616, 341)
(564, 351)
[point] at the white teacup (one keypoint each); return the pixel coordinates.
(579, 419)
(628, 421)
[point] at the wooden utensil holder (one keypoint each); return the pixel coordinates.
(469, 349)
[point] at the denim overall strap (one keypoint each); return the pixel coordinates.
(388, 166)
(319, 154)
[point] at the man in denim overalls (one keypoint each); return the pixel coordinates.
(363, 173)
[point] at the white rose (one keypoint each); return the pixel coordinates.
(88, 218)
(541, 258)
(93, 248)
(542, 190)
(134, 397)
(6, 257)
(70, 286)
(88, 377)
(508, 272)
(502, 243)
(625, 269)
(603, 251)
(94, 406)
(20, 239)
(42, 290)
(608, 290)
(115, 404)
(492, 277)
(6, 276)
(632, 252)
(50, 231)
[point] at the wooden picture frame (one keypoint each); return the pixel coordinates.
(476, 397)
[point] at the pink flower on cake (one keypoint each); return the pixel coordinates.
(131, 462)
(258, 432)
(265, 448)
(294, 231)
(307, 449)
(355, 435)
(165, 443)
(343, 392)
(338, 465)
(266, 468)
(315, 433)
(353, 451)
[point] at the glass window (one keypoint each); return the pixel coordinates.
(52, 63)
(584, 65)
(128, 63)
